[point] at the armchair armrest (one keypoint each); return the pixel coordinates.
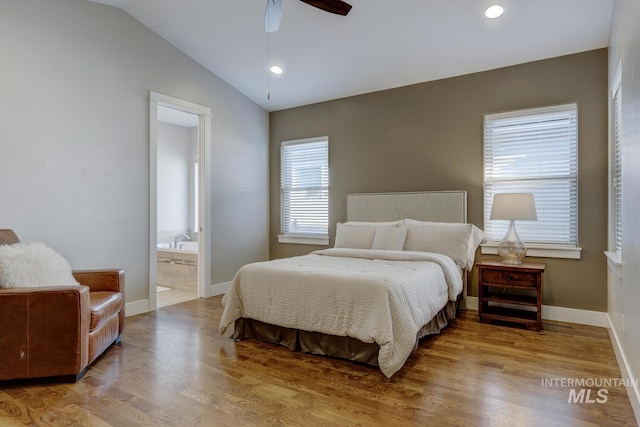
(44, 331)
(111, 280)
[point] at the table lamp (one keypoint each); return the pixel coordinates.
(512, 207)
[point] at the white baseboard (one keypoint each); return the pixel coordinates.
(142, 306)
(218, 289)
(136, 307)
(562, 314)
(625, 370)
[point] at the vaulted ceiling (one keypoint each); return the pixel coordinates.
(381, 44)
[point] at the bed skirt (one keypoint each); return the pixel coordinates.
(331, 345)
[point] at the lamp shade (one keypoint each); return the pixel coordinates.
(516, 206)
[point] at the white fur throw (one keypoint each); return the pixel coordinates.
(25, 265)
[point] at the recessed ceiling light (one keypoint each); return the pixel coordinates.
(494, 11)
(276, 69)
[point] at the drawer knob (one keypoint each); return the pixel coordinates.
(509, 277)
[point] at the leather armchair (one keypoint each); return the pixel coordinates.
(57, 331)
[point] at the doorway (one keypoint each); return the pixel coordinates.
(178, 232)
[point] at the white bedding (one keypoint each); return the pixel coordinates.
(375, 296)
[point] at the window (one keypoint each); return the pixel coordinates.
(615, 175)
(304, 180)
(196, 193)
(535, 151)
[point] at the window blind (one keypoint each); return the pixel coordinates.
(616, 173)
(305, 187)
(534, 151)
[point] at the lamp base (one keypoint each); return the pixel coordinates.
(511, 249)
(509, 261)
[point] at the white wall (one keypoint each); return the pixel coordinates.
(624, 294)
(74, 139)
(193, 189)
(175, 182)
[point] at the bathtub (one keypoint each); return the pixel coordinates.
(188, 246)
(178, 268)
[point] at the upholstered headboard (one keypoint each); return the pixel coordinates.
(440, 206)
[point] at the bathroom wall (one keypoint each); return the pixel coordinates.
(175, 181)
(192, 205)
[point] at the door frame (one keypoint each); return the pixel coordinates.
(204, 191)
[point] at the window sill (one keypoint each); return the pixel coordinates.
(304, 240)
(615, 263)
(542, 251)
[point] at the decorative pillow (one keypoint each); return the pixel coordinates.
(389, 238)
(25, 265)
(456, 240)
(354, 236)
(374, 224)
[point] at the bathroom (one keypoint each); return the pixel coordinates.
(177, 206)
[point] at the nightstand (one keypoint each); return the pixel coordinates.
(496, 283)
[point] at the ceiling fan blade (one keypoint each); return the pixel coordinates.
(272, 15)
(333, 6)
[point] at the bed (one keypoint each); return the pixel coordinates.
(397, 273)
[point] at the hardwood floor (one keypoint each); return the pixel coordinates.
(175, 296)
(174, 369)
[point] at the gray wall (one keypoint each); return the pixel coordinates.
(429, 137)
(625, 294)
(74, 139)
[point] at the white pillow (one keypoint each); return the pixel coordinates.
(456, 240)
(354, 236)
(25, 265)
(477, 236)
(389, 238)
(374, 224)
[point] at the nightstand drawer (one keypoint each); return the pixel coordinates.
(509, 278)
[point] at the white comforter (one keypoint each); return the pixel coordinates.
(375, 296)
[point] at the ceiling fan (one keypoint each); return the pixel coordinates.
(273, 11)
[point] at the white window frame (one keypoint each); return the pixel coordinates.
(615, 252)
(285, 235)
(547, 250)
